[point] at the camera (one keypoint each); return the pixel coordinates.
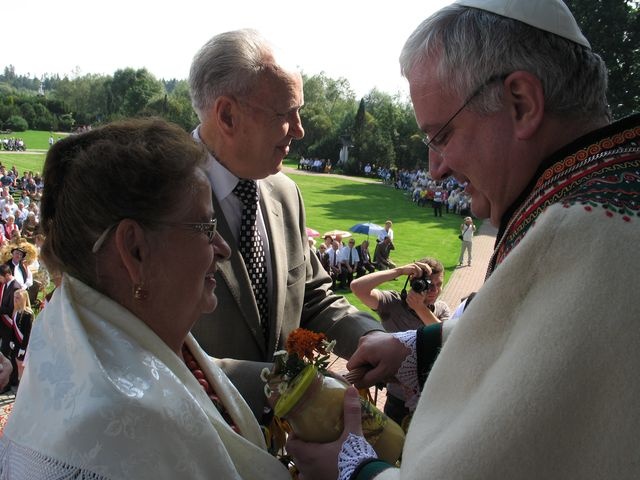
(420, 284)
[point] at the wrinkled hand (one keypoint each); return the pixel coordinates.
(319, 461)
(381, 355)
(5, 371)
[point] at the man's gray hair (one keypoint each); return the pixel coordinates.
(472, 46)
(228, 64)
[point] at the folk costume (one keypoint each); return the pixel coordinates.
(538, 378)
(103, 396)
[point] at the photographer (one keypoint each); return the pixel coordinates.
(416, 305)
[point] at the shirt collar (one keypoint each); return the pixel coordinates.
(222, 180)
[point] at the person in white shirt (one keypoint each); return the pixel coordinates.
(350, 260)
(388, 231)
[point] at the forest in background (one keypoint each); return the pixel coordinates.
(379, 128)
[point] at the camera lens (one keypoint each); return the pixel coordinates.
(420, 284)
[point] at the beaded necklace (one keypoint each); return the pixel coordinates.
(197, 372)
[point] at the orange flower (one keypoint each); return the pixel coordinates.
(305, 343)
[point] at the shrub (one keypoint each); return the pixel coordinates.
(16, 123)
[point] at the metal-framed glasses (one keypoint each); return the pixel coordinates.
(209, 229)
(433, 142)
(291, 116)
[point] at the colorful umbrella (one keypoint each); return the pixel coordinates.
(367, 228)
(333, 233)
(312, 233)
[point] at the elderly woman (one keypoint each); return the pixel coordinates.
(115, 385)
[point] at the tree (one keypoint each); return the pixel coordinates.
(175, 107)
(327, 103)
(130, 91)
(613, 29)
(16, 123)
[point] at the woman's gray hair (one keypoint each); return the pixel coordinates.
(228, 64)
(472, 46)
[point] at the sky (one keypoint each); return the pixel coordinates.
(359, 40)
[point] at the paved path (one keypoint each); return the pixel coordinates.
(465, 280)
(289, 170)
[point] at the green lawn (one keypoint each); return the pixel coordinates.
(37, 143)
(334, 202)
(35, 139)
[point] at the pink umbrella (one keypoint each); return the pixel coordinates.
(312, 233)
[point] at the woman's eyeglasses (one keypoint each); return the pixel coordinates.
(209, 228)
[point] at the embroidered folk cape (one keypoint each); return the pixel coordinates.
(539, 377)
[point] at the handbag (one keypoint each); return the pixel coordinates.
(460, 237)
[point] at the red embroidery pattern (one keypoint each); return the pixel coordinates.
(603, 175)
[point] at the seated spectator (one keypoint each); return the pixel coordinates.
(350, 260)
(328, 240)
(29, 226)
(10, 226)
(335, 269)
(365, 264)
(20, 215)
(381, 258)
(405, 310)
(323, 256)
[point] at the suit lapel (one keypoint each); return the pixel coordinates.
(234, 274)
(272, 213)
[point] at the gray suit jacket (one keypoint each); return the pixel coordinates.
(300, 297)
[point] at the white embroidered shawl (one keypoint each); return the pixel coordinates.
(103, 393)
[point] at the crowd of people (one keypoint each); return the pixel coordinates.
(345, 261)
(13, 144)
(19, 204)
(318, 165)
(22, 276)
(134, 372)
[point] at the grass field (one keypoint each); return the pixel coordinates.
(334, 202)
(35, 139)
(37, 143)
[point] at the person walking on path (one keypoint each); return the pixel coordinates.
(467, 229)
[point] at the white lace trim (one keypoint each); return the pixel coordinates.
(17, 461)
(407, 374)
(354, 451)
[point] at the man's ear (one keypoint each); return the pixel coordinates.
(526, 96)
(133, 249)
(226, 110)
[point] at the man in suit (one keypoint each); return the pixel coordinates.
(248, 104)
(365, 264)
(350, 261)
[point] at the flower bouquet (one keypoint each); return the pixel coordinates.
(309, 398)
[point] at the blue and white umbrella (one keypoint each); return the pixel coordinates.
(367, 229)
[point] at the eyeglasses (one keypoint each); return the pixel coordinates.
(209, 228)
(291, 116)
(429, 141)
